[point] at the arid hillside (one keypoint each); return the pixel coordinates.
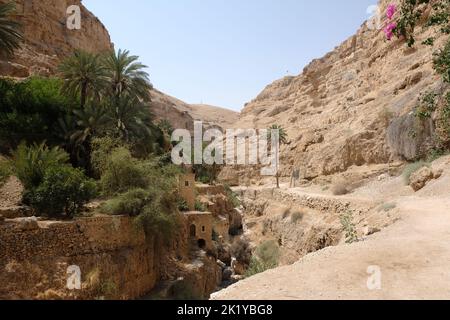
(182, 115)
(353, 106)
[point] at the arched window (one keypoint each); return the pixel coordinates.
(193, 231)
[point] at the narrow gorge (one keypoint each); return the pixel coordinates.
(363, 183)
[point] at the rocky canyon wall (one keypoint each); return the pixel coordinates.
(47, 38)
(351, 107)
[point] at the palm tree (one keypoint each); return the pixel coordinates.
(131, 118)
(10, 36)
(126, 75)
(283, 138)
(83, 75)
(77, 129)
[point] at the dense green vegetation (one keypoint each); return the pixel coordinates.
(52, 186)
(89, 132)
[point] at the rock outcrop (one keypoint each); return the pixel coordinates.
(47, 38)
(352, 107)
(48, 41)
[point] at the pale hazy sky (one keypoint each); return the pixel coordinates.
(224, 52)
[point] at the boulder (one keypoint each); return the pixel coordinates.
(28, 224)
(227, 274)
(420, 178)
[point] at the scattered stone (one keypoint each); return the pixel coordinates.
(367, 231)
(227, 273)
(28, 224)
(420, 178)
(438, 173)
(221, 264)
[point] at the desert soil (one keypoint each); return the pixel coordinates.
(412, 255)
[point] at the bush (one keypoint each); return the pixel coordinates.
(122, 173)
(29, 111)
(131, 203)
(63, 190)
(232, 196)
(297, 216)
(256, 266)
(442, 62)
(411, 168)
(267, 257)
(101, 151)
(30, 163)
(182, 205)
(349, 227)
(340, 188)
(199, 206)
(159, 218)
(269, 253)
(5, 171)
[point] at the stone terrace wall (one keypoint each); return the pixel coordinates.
(115, 259)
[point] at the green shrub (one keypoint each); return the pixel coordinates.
(131, 203)
(29, 111)
(122, 173)
(232, 196)
(5, 171)
(30, 163)
(102, 147)
(269, 253)
(199, 206)
(63, 190)
(182, 205)
(159, 218)
(442, 62)
(267, 257)
(256, 266)
(349, 227)
(427, 105)
(297, 216)
(411, 168)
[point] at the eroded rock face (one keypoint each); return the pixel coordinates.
(47, 38)
(347, 108)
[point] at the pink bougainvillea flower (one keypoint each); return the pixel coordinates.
(391, 10)
(389, 30)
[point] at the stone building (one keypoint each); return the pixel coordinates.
(200, 228)
(187, 189)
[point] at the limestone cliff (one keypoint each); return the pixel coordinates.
(352, 107)
(47, 38)
(48, 41)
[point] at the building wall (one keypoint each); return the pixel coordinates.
(203, 223)
(115, 260)
(187, 189)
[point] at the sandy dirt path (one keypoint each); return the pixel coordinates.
(413, 257)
